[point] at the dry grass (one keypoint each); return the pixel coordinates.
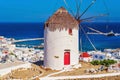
(28, 73)
(24, 73)
(47, 71)
(80, 71)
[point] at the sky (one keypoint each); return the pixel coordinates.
(41, 10)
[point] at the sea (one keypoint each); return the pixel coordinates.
(36, 30)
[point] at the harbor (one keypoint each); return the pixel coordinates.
(21, 52)
(10, 53)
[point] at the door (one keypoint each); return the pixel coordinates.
(67, 58)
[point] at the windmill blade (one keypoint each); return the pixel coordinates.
(88, 38)
(106, 7)
(87, 9)
(86, 20)
(78, 5)
(68, 7)
(95, 30)
(77, 8)
(101, 15)
(80, 38)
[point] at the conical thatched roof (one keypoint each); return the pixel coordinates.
(61, 19)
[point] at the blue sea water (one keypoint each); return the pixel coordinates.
(22, 31)
(102, 42)
(36, 30)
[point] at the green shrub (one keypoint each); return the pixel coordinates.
(106, 63)
(95, 62)
(11, 53)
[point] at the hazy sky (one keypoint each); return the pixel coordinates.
(40, 10)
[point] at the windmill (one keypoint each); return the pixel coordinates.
(79, 18)
(61, 32)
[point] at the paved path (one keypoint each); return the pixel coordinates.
(81, 76)
(8, 67)
(11, 64)
(55, 73)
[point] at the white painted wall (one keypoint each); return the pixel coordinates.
(55, 44)
(7, 70)
(87, 59)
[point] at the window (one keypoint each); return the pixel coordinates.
(70, 31)
(96, 56)
(101, 57)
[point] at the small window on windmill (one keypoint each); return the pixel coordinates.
(70, 31)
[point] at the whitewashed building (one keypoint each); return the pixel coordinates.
(85, 57)
(61, 40)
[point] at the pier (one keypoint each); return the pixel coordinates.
(22, 40)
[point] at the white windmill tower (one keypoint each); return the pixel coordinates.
(61, 36)
(61, 40)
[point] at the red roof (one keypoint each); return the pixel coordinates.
(84, 54)
(1, 38)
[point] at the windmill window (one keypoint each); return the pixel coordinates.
(70, 31)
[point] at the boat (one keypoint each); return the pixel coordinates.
(110, 33)
(97, 32)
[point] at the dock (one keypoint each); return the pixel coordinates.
(23, 40)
